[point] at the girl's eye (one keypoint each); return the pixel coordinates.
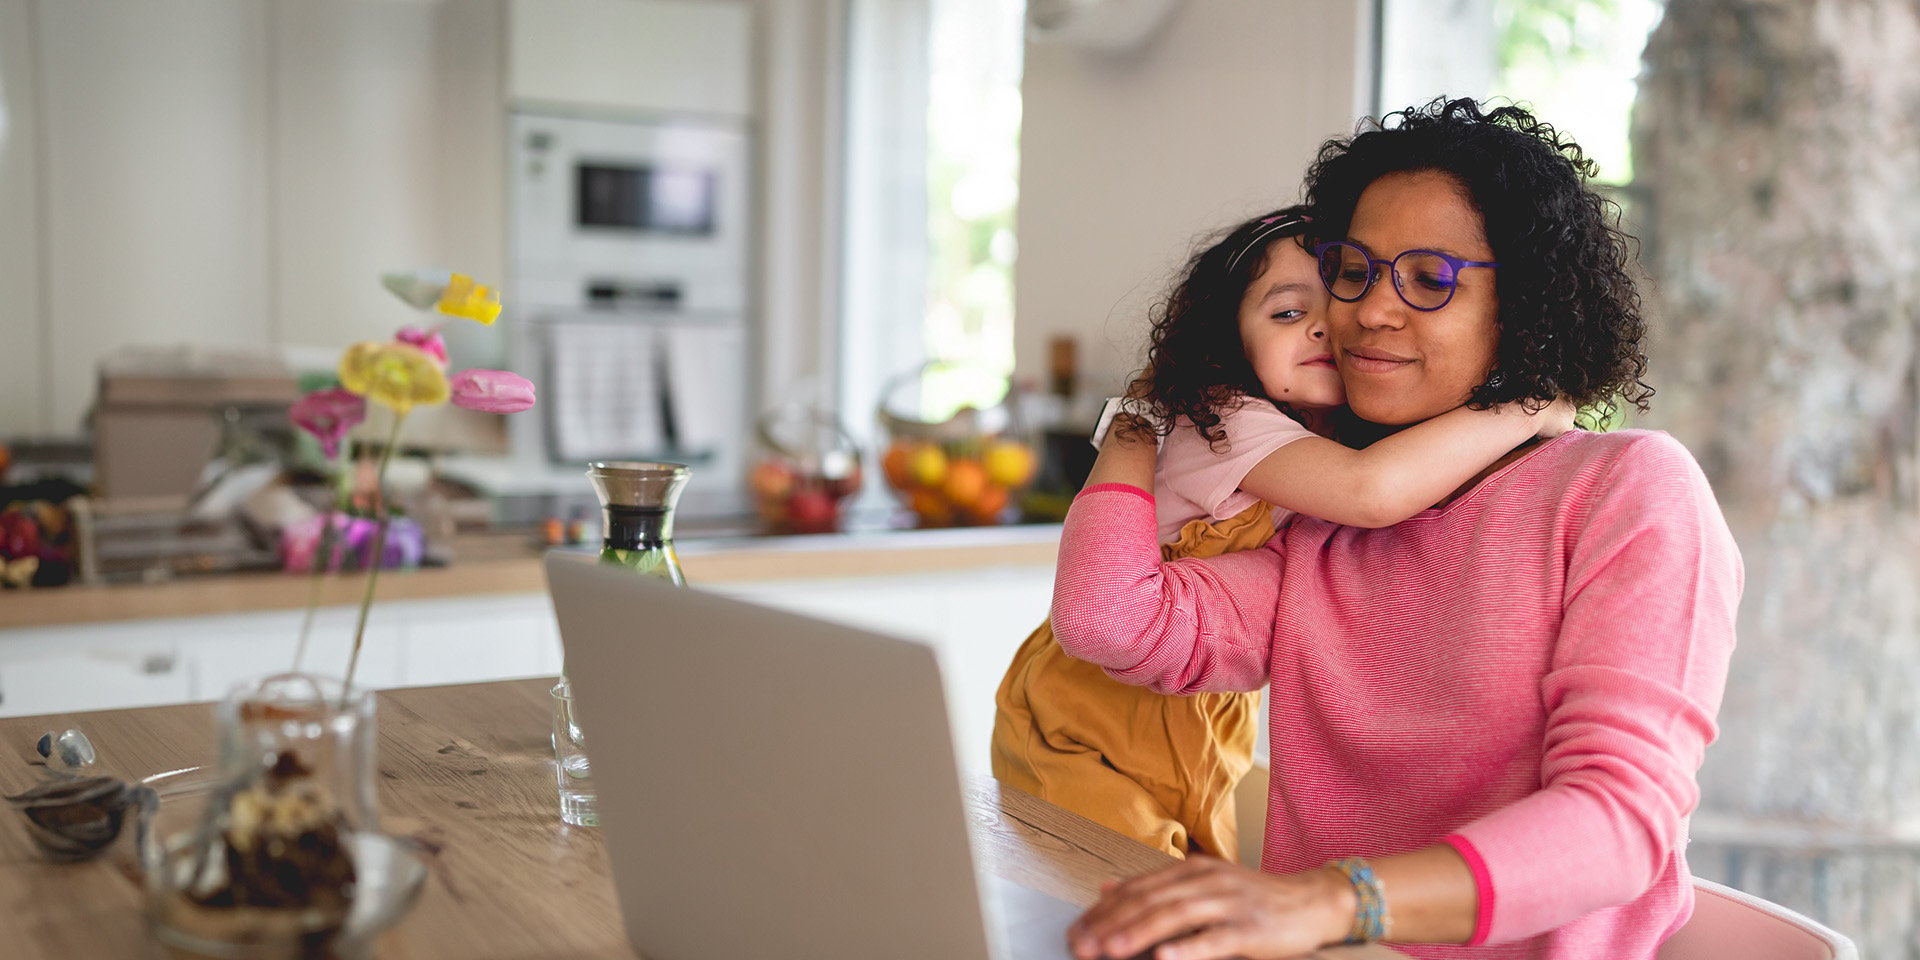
(1289, 316)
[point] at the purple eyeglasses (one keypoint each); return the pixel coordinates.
(1424, 279)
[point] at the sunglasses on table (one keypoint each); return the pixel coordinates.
(1425, 279)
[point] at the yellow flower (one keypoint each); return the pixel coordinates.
(464, 298)
(395, 375)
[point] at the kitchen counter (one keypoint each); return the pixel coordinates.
(508, 564)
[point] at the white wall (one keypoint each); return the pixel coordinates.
(155, 176)
(1126, 159)
(388, 152)
(233, 172)
(22, 319)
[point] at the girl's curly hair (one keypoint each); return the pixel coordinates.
(1570, 323)
(1196, 363)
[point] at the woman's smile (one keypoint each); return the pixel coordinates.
(1373, 360)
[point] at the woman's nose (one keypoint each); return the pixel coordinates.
(1380, 308)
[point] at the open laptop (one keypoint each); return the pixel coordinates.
(777, 786)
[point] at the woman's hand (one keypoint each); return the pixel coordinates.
(1206, 909)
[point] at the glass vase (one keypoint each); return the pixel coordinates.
(280, 855)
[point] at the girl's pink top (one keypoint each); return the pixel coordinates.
(1529, 674)
(1195, 480)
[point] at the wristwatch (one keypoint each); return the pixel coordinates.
(1116, 406)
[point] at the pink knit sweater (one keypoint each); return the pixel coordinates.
(1529, 673)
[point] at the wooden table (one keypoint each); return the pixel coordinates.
(465, 770)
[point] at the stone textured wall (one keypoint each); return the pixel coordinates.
(1777, 162)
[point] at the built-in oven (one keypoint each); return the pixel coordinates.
(629, 265)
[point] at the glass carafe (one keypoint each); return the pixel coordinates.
(636, 506)
(636, 512)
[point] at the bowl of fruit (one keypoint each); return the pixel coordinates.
(955, 453)
(805, 467)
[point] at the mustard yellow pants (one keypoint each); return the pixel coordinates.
(1160, 769)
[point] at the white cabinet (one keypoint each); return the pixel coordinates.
(473, 640)
(975, 619)
(650, 56)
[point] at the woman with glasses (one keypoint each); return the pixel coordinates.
(1242, 386)
(1485, 720)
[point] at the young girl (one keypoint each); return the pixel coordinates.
(1242, 385)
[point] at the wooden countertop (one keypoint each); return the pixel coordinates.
(465, 771)
(503, 564)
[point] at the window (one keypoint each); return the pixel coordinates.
(932, 156)
(1574, 62)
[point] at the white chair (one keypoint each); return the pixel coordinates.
(1730, 925)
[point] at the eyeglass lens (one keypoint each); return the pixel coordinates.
(1424, 280)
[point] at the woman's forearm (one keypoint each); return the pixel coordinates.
(1177, 627)
(1431, 895)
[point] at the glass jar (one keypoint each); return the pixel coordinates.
(805, 468)
(282, 855)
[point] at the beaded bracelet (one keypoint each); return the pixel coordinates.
(1370, 920)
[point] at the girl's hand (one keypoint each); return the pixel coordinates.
(1208, 909)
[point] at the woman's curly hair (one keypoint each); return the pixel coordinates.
(1196, 363)
(1570, 323)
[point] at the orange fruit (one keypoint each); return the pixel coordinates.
(931, 508)
(987, 508)
(1009, 464)
(895, 464)
(966, 481)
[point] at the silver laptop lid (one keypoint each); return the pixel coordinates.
(770, 785)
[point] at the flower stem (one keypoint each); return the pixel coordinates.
(322, 559)
(379, 551)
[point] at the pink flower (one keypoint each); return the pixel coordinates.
(329, 415)
(492, 391)
(429, 341)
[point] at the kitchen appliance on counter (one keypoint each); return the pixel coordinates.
(628, 274)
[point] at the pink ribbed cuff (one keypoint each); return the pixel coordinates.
(1115, 488)
(1482, 882)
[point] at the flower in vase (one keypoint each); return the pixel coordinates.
(395, 375)
(430, 343)
(329, 415)
(464, 298)
(492, 391)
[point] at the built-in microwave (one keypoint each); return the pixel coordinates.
(610, 211)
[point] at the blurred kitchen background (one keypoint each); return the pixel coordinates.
(709, 216)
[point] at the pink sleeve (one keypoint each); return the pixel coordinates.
(1179, 627)
(1635, 682)
(1211, 480)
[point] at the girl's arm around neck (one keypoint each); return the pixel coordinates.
(1399, 475)
(1126, 456)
